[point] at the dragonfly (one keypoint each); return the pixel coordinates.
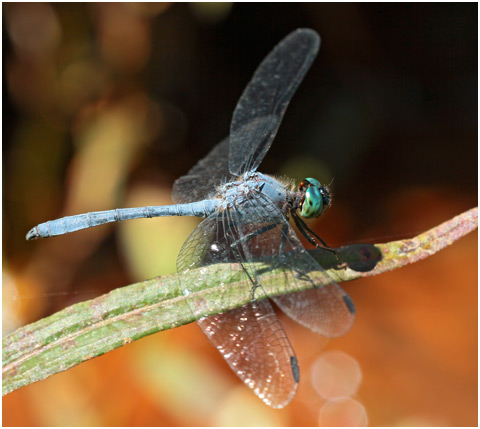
(246, 217)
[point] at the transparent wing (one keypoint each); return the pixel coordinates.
(201, 182)
(256, 118)
(261, 107)
(328, 310)
(254, 242)
(250, 338)
(254, 344)
(325, 309)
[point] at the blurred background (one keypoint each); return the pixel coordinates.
(105, 105)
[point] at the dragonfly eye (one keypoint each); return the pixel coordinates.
(316, 198)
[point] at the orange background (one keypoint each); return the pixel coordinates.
(106, 104)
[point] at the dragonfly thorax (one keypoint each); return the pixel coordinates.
(254, 185)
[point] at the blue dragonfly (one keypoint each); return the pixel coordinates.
(247, 217)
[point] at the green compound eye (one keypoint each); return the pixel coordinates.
(313, 182)
(316, 198)
(312, 206)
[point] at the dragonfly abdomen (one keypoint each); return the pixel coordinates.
(87, 220)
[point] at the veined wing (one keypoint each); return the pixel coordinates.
(324, 307)
(201, 181)
(256, 118)
(328, 310)
(252, 341)
(259, 246)
(261, 107)
(250, 338)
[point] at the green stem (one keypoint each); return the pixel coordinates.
(91, 328)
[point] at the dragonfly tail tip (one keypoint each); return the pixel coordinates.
(32, 234)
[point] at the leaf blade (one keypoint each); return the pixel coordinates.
(91, 328)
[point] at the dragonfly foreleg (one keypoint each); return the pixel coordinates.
(306, 231)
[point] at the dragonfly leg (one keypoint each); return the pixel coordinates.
(281, 254)
(306, 231)
(255, 284)
(282, 259)
(283, 242)
(254, 234)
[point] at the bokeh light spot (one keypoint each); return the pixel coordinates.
(33, 28)
(335, 374)
(343, 412)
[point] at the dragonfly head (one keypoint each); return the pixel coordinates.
(316, 198)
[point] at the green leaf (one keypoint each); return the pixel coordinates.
(91, 328)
